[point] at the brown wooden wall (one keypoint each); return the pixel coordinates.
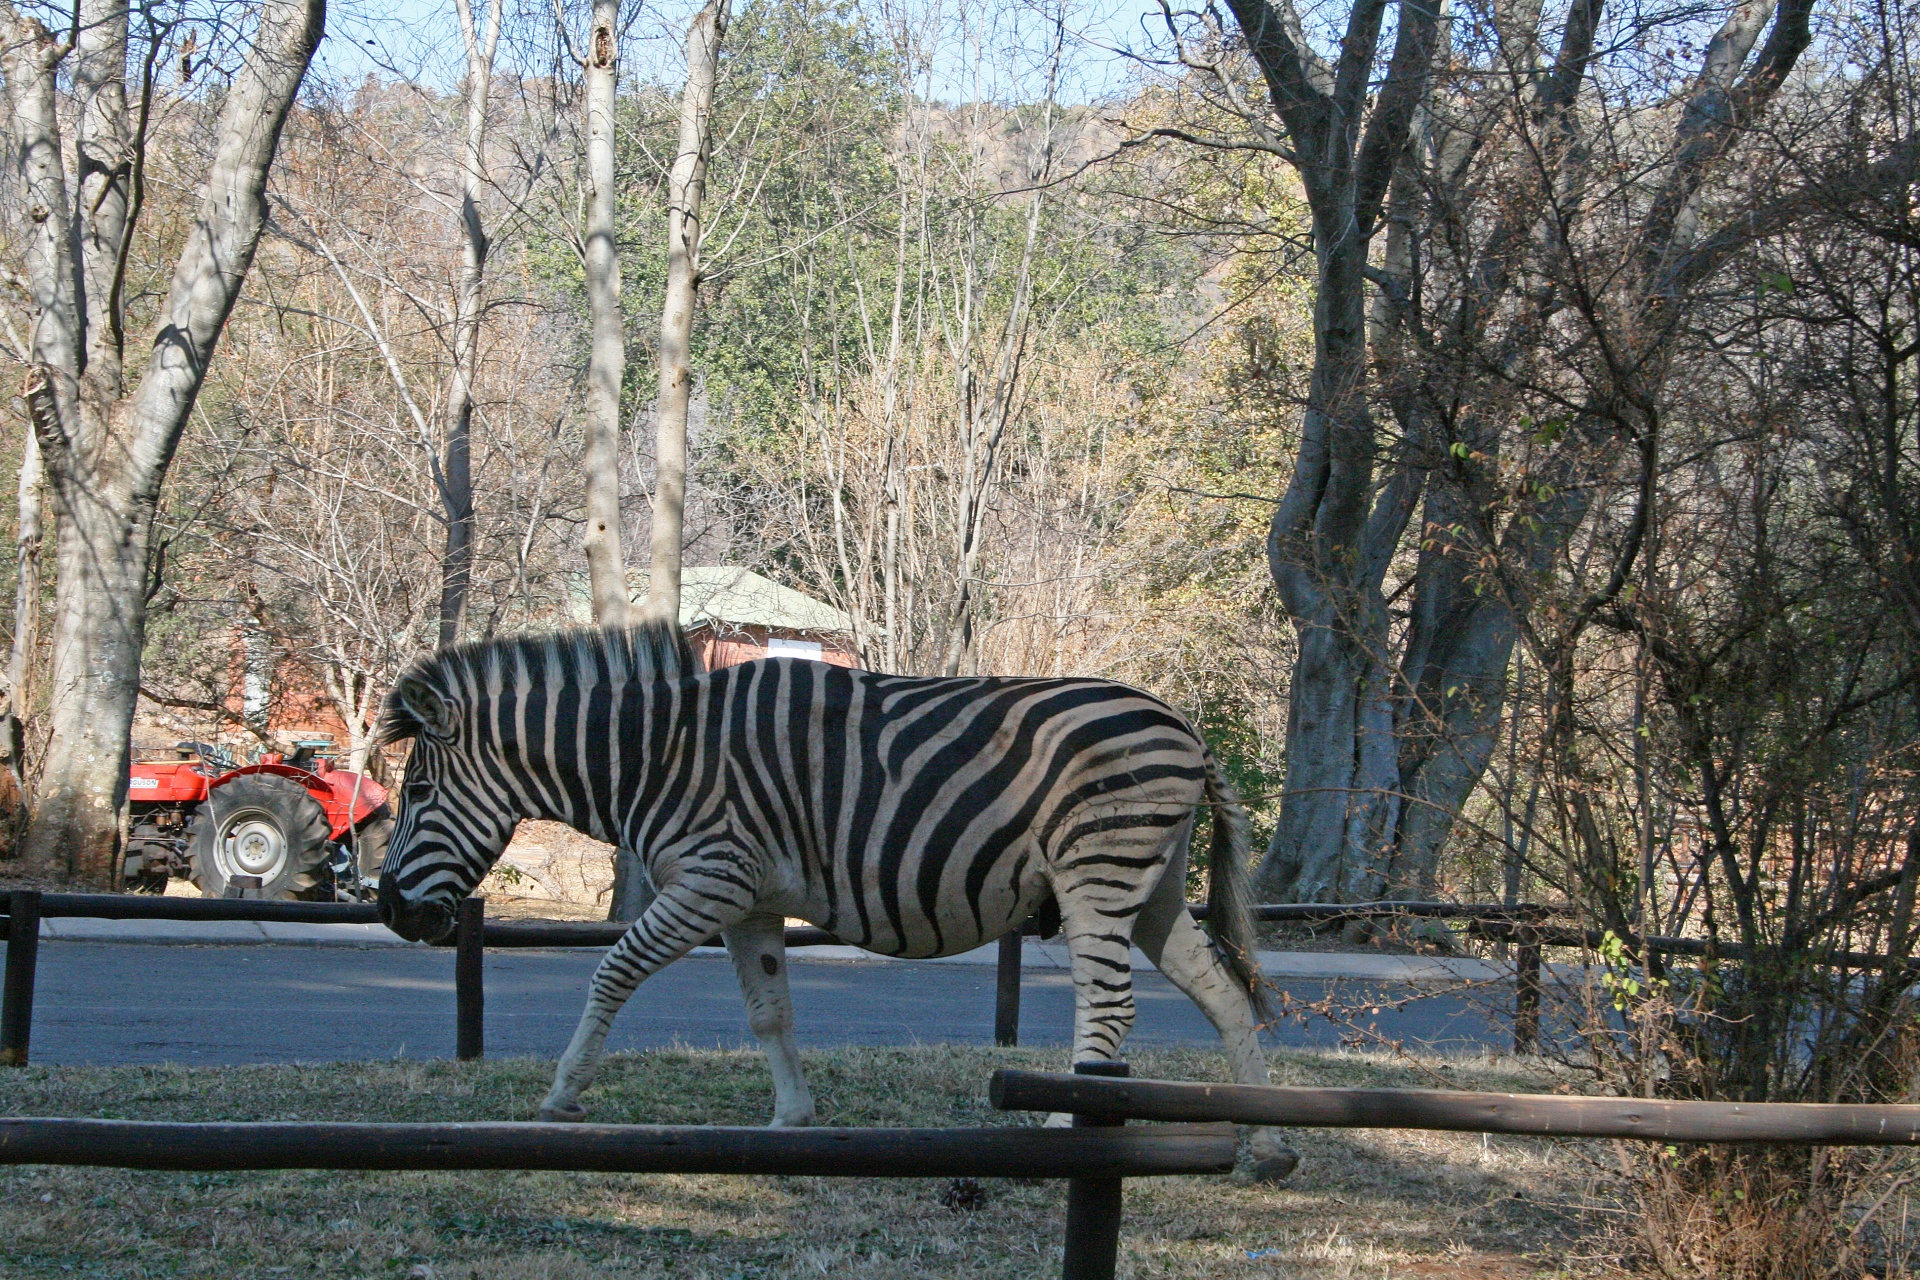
(744, 644)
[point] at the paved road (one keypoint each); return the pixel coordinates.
(108, 1003)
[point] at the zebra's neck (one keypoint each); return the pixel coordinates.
(595, 751)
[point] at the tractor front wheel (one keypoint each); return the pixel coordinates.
(264, 827)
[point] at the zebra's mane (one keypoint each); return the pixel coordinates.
(645, 651)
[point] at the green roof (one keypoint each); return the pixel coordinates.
(729, 596)
(742, 598)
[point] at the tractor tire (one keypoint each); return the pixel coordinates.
(263, 826)
(149, 856)
(370, 842)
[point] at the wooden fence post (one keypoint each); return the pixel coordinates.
(1093, 1204)
(1006, 991)
(469, 979)
(1526, 991)
(23, 953)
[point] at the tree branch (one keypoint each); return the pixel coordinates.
(219, 709)
(1409, 80)
(1300, 84)
(226, 231)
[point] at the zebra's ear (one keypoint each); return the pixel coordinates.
(422, 703)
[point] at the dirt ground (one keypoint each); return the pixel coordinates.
(551, 871)
(1365, 1204)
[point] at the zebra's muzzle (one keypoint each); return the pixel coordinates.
(414, 921)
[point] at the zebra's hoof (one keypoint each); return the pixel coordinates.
(570, 1113)
(1274, 1166)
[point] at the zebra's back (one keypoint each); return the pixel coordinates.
(923, 815)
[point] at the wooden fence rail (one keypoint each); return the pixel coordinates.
(1026, 1152)
(1095, 1156)
(141, 906)
(1543, 1115)
(474, 933)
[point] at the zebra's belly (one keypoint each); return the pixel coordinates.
(952, 932)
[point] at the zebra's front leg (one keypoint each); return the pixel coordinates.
(674, 923)
(758, 945)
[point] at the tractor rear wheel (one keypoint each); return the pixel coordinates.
(261, 826)
(370, 840)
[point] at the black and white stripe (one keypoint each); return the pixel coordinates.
(912, 816)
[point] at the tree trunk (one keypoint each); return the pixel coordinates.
(985, 421)
(1458, 648)
(686, 192)
(99, 628)
(26, 609)
(606, 374)
(1328, 549)
(353, 699)
(106, 453)
(607, 362)
(456, 564)
(456, 558)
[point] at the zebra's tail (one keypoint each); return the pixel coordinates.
(1230, 889)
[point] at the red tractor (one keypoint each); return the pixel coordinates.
(278, 828)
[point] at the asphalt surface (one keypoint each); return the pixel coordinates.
(113, 1003)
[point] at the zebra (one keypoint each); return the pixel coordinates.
(911, 816)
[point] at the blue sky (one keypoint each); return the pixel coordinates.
(1000, 53)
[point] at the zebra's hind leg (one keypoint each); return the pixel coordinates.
(1099, 953)
(1181, 950)
(674, 923)
(758, 945)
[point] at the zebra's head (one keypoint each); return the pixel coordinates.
(451, 826)
(498, 728)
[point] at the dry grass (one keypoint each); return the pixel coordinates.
(1365, 1204)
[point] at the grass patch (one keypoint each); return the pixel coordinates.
(1365, 1204)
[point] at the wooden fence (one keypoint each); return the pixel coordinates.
(473, 934)
(1537, 1114)
(1096, 1155)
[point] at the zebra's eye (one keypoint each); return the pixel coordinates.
(418, 790)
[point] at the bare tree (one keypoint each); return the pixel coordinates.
(607, 364)
(1463, 209)
(106, 447)
(316, 475)
(988, 407)
(686, 191)
(457, 469)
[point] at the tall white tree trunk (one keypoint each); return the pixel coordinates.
(686, 192)
(607, 361)
(106, 451)
(256, 678)
(26, 606)
(456, 564)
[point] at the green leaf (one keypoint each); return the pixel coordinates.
(1549, 430)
